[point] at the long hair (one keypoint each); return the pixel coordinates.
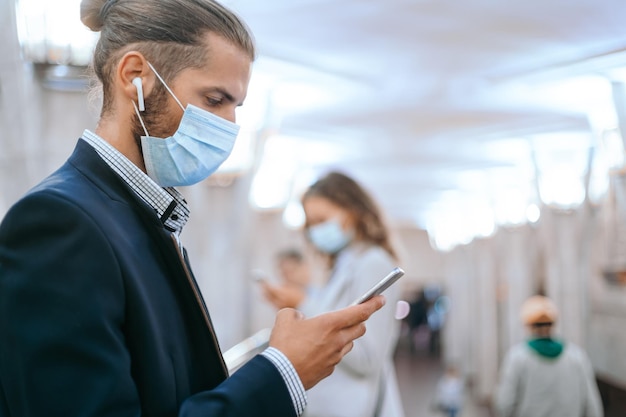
(349, 195)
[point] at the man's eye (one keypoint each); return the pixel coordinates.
(214, 101)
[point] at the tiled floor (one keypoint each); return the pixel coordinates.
(418, 374)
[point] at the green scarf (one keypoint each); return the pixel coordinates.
(546, 347)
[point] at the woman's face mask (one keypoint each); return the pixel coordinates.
(202, 142)
(329, 237)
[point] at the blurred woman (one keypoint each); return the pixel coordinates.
(346, 226)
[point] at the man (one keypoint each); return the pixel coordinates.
(100, 314)
(545, 377)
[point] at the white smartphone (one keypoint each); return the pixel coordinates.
(258, 275)
(382, 285)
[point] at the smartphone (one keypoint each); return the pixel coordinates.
(258, 275)
(382, 285)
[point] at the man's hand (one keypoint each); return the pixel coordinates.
(316, 345)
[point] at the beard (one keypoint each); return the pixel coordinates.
(155, 117)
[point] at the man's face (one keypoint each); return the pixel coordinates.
(219, 87)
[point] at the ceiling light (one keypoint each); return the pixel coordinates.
(533, 213)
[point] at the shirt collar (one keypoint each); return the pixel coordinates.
(167, 202)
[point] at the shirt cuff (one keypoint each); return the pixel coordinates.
(289, 374)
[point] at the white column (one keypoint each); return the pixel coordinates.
(607, 305)
(517, 257)
(458, 330)
(470, 335)
(566, 270)
(485, 318)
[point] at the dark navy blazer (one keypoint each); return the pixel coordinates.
(101, 316)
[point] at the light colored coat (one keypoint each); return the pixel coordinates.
(365, 379)
(534, 386)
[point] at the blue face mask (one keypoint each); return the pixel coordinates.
(202, 142)
(329, 237)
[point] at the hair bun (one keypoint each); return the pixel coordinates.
(91, 13)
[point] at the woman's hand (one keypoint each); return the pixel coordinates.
(284, 295)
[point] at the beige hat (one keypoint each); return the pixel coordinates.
(538, 309)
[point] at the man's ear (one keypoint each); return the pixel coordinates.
(134, 65)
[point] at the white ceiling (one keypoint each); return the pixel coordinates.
(417, 98)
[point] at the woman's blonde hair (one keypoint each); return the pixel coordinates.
(169, 33)
(346, 193)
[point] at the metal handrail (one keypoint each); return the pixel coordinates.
(243, 351)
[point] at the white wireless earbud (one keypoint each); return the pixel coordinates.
(139, 85)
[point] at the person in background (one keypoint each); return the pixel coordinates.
(435, 318)
(293, 268)
(294, 279)
(346, 226)
(417, 318)
(100, 314)
(544, 376)
(450, 392)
